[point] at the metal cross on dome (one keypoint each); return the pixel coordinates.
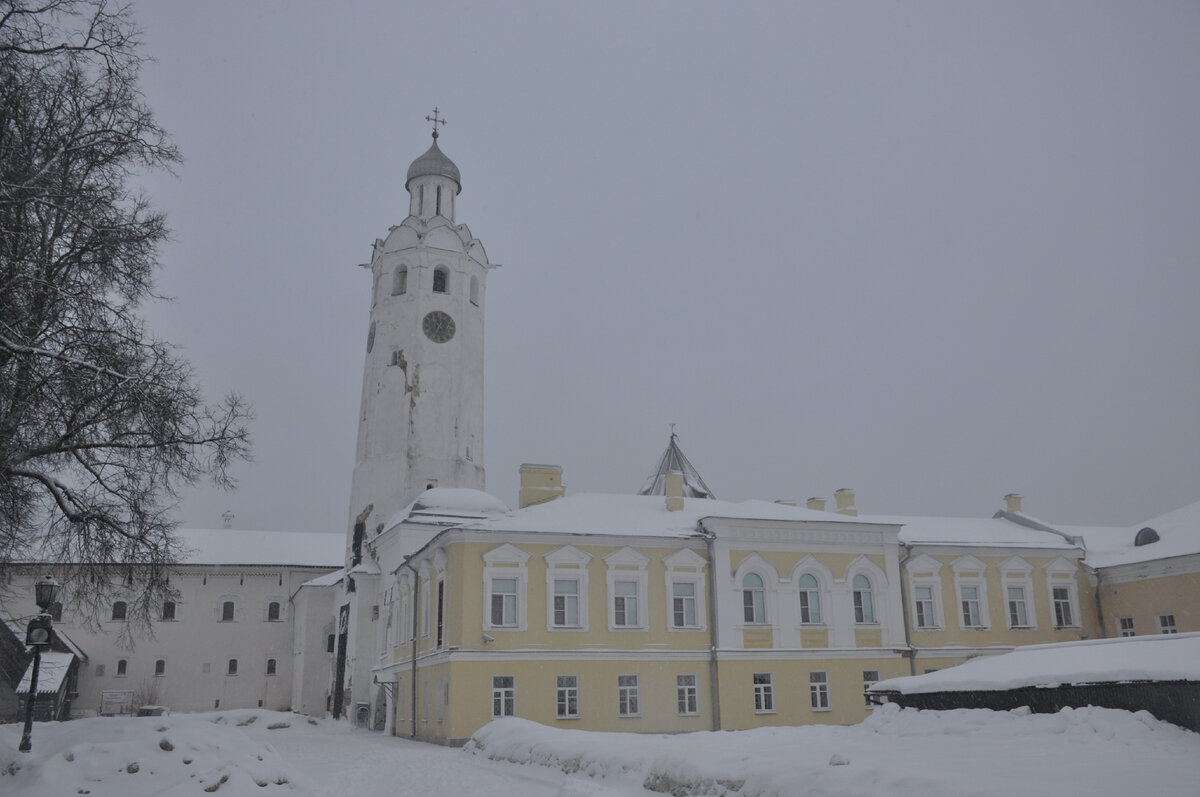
(436, 121)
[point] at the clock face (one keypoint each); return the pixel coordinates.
(438, 326)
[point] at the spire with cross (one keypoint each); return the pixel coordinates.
(436, 121)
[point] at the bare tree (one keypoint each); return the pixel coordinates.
(100, 423)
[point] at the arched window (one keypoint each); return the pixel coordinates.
(810, 598)
(119, 610)
(122, 667)
(168, 610)
(400, 281)
(475, 290)
(273, 611)
(232, 667)
(270, 666)
(753, 599)
(160, 667)
(864, 604)
(441, 280)
(227, 612)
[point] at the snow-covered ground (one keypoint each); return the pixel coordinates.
(896, 752)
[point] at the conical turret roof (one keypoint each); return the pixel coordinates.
(673, 461)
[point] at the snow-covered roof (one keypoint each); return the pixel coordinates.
(449, 506)
(53, 670)
(1160, 657)
(641, 515)
(1178, 535)
(327, 580)
(970, 531)
(239, 547)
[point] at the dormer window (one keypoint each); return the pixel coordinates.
(1145, 537)
(441, 280)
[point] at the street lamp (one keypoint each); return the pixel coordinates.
(38, 635)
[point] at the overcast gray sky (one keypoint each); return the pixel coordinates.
(936, 252)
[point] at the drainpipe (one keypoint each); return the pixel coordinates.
(912, 654)
(714, 638)
(416, 593)
(1099, 605)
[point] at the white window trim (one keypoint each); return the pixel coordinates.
(880, 599)
(971, 572)
(694, 687)
(823, 599)
(219, 607)
(821, 687)
(578, 687)
(627, 564)
(506, 561)
(1121, 629)
(763, 569)
(636, 693)
(686, 566)
(770, 689)
(1159, 628)
(569, 563)
(930, 570)
(501, 690)
(1016, 572)
(266, 605)
(1061, 573)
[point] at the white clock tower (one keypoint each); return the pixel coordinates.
(421, 422)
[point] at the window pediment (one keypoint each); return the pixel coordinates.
(968, 564)
(567, 556)
(685, 557)
(506, 554)
(627, 557)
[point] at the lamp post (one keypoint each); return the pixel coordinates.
(38, 636)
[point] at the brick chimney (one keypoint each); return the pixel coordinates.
(673, 488)
(539, 484)
(816, 503)
(1012, 503)
(845, 502)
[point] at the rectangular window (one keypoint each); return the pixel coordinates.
(567, 699)
(764, 693)
(869, 677)
(1166, 623)
(160, 667)
(1125, 626)
(122, 667)
(566, 602)
(627, 696)
(686, 695)
(625, 603)
(683, 604)
(168, 610)
(504, 696)
(504, 601)
(924, 598)
(227, 609)
(1018, 614)
(271, 666)
(818, 690)
(1063, 617)
(232, 670)
(971, 616)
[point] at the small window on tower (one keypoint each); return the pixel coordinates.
(441, 280)
(400, 281)
(475, 291)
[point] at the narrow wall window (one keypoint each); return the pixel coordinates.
(227, 609)
(566, 602)
(625, 603)
(1125, 626)
(119, 610)
(122, 667)
(864, 602)
(439, 200)
(475, 291)
(232, 668)
(1064, 616)
(686, 695)
(1166, 623)
(764, 693)
(1018, 610)
(330, 643)
(754, 607)
(567, 697)
(504, 602)
(273, 611)
(818, 690)
(810, 598)
(971, 617)
(869, 677)
(441, 613)
(441, 279)
(627, 696)
(270, 666)
(168, 610)
(504, 696)
(923, 596)
(160, 667)
(400, 281)
(683, 604)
